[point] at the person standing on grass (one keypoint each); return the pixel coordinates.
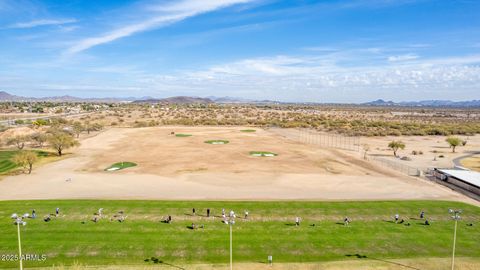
(223, 211)
(34, 213)
(297, 221)
(346, 221)
(422, 214)
(193, 211)
(397, 216)
(100, 212)
(57, 211)
(208, 212)
(246, 214)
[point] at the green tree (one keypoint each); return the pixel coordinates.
(19, 141)
(60, 141)
(40, 138)
(78, 128)
(92, 127)
(453, 142)
(395, 146)
(25, 159)
(40, 122)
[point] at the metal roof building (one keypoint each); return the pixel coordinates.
(466, 179)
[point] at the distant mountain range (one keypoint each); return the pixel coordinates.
(4, 96)
(425, 103)
(206, 100)
(176, 100)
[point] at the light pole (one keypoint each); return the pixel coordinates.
(456, 216)
(18, 221)
(231, 221)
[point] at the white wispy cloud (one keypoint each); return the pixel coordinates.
(164, 14)
(403, 57)
(43, 22)
(316, 77)
(328, 77)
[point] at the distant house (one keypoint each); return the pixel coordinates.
(463, 178)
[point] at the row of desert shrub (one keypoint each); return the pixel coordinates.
(355, 127)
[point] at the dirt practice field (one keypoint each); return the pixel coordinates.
(431, 151)
(171, 167)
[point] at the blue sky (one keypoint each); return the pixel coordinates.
(323, 51)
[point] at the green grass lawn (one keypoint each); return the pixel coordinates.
(248, 130)
(121, 165)
(217, 141)
(6, 163)
(268, 231)
(183, 135)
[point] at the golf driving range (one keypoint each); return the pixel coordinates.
(73, 238)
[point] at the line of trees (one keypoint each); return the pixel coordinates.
(61, 135)
(58, 140)
(453, 142)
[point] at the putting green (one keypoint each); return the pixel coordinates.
(248, 130)
(120, 166)
(262, 154)
(217, 142)
(183, 135)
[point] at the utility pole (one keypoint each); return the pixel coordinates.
(19, 246)
(231, 249)
(456, 217)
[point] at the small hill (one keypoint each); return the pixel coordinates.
(4, 96)
(177, 100)
(426, 103)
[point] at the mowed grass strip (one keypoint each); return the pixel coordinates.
(120, 166)
(248, 130)
(217, 141)
(183, 135)
(268, 231)
(6, 163)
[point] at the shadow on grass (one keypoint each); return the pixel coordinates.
(423, 224)
(359, 256)
(158, 261)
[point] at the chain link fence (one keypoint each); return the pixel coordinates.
(351, 143)
(395, 165)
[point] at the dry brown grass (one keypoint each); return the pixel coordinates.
(472, 163)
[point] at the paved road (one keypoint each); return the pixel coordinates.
(456, 161)
(11, 122)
